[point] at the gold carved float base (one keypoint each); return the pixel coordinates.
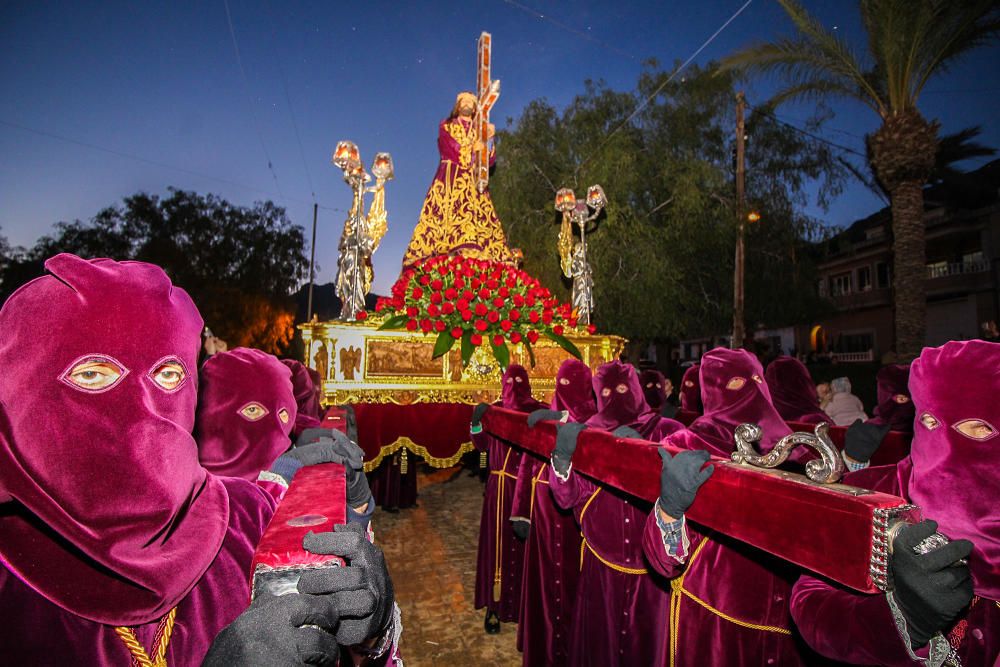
(359, 364)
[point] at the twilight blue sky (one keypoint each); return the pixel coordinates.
(100, 100)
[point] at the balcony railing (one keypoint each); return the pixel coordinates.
(854, 357)
(956, 269)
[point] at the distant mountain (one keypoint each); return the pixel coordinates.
(326, 304)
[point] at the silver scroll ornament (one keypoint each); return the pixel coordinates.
(827, 469)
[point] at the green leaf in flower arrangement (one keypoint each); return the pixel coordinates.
(394, 322)
(564, 343)
(531, 351)
(502, 354)
(443, 344)
(467, 347)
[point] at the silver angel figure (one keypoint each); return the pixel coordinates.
(583, 284)
(353, 267)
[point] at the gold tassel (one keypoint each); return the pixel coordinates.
(482, 460)
(403, 462)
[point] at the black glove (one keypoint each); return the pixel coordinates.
(930, 589)
(669, 410)
(478, 412)
(271, 632)
(626, 432)
(315, 453)
(680, 479)
(863, 439)
(311, 435)
(566, 437)
(520, 528)
(543, 414)
(362, 591)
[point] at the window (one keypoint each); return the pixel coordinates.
(840, 284)
(855, 342)
(875, 233)
(937, 269)
(822, 286)
(864, 278)
(882, 275)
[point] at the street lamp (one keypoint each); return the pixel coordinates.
(362, 233)
(573, 256)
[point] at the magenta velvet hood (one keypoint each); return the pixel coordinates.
(304, 384)
(115, 520)
(793, 391)
(619, 397)
(574, 391)
(515, 392)
(956, 450)
(654, 388)
(895, 406)
(246, 410)
(690, 390)
(734, 392)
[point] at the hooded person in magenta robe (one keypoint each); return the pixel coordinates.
(728, 601)
(654, 388)
(793, 391)
(552, 547)
(457, 219)
(116, 523)
(246, 410)
(950, 474)
(619, 617)
(690, 390)
(309, 412)
(500, 558)
(895, 407)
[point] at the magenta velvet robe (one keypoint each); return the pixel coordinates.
(391, 489)
(620, 615)
(38, 632)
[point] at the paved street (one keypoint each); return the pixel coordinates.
(431, 552)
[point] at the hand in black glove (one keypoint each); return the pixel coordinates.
(544, 414)
(478, 412)
(930, 589)
(520, 528)
(669, 410)
(322, 451)
(311, 435)
(270, 632)
(626, 432)
(681, 477)
(566, 437)
(362, 592)
(863, 439)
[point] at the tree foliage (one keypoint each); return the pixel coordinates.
(240, 264)
(662, 253)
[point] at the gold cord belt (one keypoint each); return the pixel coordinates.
(161, 639)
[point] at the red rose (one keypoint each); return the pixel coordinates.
(481, 309)
(547, 317)
(436, 284)
(476, 282)
(397, 302)
(515, 337)
(411, 325)
(492, 283)
(451, 293)
(498, 302)
(481, 325)
(493, 316)
(558, 330)
(457, 332)
(435, 297)
(424, 279)
(533, 316)
(440, 326)
(515, 315)
(361, 315)
(417, 293)
(484, 294)
(411, 311)
(503, 291)
(433, 310)
(573, 321)
(591, 328)
(447, 308)
(530, 301)
(506, 325)
(466, 315)
(532, 336)
(518, 300)
(511, 282)
(425, 325)
(497, 340)
(379, 305)
(462, 304)
(476, 339)
(459, 283)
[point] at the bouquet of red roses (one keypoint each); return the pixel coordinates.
(475, 302)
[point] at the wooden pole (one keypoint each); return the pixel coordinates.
(312, 262)
(739, 328)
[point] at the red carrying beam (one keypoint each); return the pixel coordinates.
(825, 528)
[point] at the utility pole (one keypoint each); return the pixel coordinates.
(312, 260)
(739, 328)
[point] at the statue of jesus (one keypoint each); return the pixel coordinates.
(456, 218)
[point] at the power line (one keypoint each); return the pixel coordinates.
(672, 76)
(807, 133)
(246, 86)
(155, 163)
(575, 31)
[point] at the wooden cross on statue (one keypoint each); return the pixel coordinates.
(487, 93)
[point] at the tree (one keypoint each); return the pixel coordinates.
(240, 264)
(909, 42)
(663, 254)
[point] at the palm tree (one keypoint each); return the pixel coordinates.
(909, 42)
